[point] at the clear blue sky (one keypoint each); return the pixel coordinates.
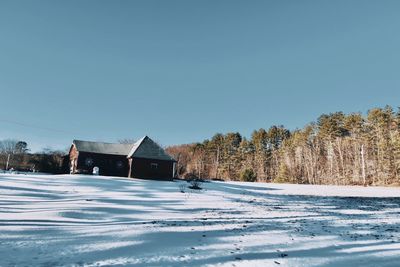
(180, 71)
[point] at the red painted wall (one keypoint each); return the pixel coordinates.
(142, 168)
(108, 164)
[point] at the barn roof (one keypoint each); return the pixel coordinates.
(143, 148)
(147, 148)
(102, 148)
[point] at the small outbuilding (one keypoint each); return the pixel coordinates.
(143, 159)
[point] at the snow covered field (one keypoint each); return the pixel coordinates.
(68, 220)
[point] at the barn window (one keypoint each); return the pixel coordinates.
(154, 166)
(119, 164)
(89, 162)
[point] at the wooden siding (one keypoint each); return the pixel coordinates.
(142, 168)
(109, 165)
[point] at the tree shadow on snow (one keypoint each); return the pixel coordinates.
(101, 221)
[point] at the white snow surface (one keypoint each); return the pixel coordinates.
(78, 220)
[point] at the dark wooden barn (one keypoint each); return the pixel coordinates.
(144, 159)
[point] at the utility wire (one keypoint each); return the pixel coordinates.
(36, 126)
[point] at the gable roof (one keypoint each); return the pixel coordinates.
(148, 149)
(102, 148)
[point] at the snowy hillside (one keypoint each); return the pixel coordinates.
(101, 221)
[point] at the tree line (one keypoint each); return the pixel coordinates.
(15, 155)
(338, 148)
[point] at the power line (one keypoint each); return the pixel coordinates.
(36, 126)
